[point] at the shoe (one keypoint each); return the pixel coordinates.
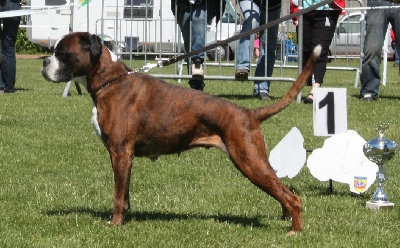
(263, 96)
(308, 99)
(242, 74)
(367, 98)
(197, 69)
(197, 84)
(395, 65)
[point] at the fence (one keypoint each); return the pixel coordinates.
(345, 46)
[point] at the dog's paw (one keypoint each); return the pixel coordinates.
(286, 217)
(291, 233)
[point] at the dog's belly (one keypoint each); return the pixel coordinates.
(154, 148)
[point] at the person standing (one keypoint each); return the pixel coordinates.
(377, 21)
(256, 51)
(254, 13)
(191, 16)
(318, 28)
(8, 34)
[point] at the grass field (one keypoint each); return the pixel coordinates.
(56, 182)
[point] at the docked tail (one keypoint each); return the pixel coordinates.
(264, 113)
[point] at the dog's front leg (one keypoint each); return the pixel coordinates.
(122, 164)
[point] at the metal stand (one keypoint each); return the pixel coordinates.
(68, 87)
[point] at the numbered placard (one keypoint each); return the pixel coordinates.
(330, 111)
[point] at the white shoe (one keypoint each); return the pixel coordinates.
(197, 70)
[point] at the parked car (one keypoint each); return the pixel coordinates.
(347, 41)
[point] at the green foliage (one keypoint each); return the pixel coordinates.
(293, 36)
(24, 46)
(56, 183)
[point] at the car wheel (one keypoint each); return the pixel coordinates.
(220, 51)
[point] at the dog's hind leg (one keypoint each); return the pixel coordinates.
(251, 160)
(122, 164)
(266, 180)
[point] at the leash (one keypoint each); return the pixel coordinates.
(175, 59)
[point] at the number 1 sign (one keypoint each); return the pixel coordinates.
(330, 111)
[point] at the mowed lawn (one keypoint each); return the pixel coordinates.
(56, 181)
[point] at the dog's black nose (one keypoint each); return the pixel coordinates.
(46, 61)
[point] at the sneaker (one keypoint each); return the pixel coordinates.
(367, 98)
(197, 84)
(242, 74)
(262, 96)
(308, 99)
(197, 69)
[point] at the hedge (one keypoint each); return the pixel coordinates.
(24, 46)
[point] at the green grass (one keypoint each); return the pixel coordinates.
(56, 182)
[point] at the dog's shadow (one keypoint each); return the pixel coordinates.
(160, 216)
(242, 97)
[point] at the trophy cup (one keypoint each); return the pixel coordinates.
(379, 151)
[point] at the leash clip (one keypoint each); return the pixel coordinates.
(148, 67)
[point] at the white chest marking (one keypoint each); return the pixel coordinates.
(114, 57)
(95, 121)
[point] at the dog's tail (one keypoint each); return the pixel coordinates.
(264, 113)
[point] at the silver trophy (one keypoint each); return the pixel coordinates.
(379, 151)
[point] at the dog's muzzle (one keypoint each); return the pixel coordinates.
(51, 70)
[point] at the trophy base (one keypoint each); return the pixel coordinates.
(379, 205)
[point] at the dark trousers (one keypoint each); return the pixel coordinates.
(318, 28)
(377, 22)
(8, 35)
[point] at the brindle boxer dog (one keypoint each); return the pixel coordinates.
(139, 115)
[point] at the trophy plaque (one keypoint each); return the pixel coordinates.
(379, 151)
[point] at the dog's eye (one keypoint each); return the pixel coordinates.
(61, 54)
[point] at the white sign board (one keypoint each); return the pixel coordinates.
(330, 111)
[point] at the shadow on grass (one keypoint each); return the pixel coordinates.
(160, 216)
(22, 89)
(380, 97)
(324, 191)
(243, 97)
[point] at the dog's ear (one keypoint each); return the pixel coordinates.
(93, 43)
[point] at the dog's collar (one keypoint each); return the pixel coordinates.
(94, 92)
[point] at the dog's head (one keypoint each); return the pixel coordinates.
(74, 57)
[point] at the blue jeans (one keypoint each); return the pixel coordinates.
(377, 21)
(396, 53)
(255, 16)
(8, 36)
(194, 20)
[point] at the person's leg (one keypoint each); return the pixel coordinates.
(200, 16)
(395, 21)
(377, 24)
(262, 87)
(8, 65)
(251, 13)
(324, 26)
(396, 54)
(192, 24)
